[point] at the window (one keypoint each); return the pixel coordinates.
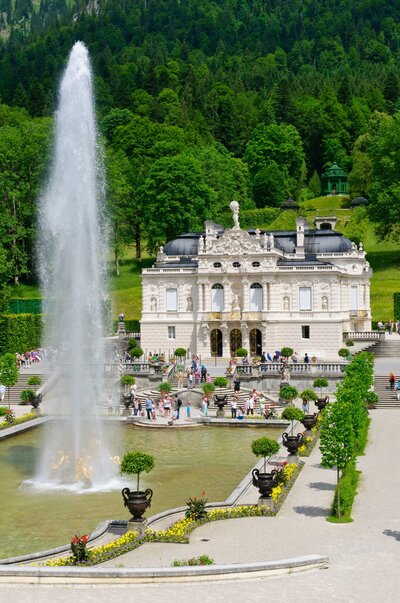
(305, 332)
(236, 264)
(354, 298)
(217, 264)
(172, 300)
(256, 297)
(256, 264)
(217, 298)
(171, 333)
(305, 298)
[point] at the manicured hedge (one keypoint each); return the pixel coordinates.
(19, 332)
(131, 326)
(348, 490)
(396, 305)
(20, 305)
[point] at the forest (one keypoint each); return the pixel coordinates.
(201, 102)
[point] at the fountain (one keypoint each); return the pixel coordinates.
(71, 254)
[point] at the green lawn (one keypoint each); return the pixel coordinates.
(125, 290)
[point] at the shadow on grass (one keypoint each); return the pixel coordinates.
(321, 486)
(393, 533)
(311, 511)
(384, 260)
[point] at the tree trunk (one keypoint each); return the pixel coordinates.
(138, 241)
(116, 258)
(338, 491)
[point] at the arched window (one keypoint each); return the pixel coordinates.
(217, 298)
(256, 297)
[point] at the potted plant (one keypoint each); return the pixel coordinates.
(36, 381)
(27, 396)
(349, 343)
(288, 393)
(137, 501)
(344, 353)
(208, 389)
(320, 383)
(241, 352)
(287, 352)
(136, 352)
(165, 388)
(265, 482)
(220, 382)
(126, 381)
(292, 442)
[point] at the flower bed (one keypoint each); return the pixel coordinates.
(179, 531)
(310, 441)
(28, 417)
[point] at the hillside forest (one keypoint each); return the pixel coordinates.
(201, 102)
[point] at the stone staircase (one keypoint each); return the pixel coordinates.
(387, 397)
(385, 349)
(22, 384)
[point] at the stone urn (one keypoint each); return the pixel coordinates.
(137, 502)
(310, 421)
(126, 401)
(292, 443)
(220, 400)
(265, 482)
(321, 403)
(36, 400)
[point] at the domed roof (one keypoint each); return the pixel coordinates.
(185, 244)
(358, 201)
(315, 241)
(334, 170)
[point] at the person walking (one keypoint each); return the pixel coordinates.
(236, 385)
(110, 405)
(390, 327)
(398, 390)
(392, 380)
(190, 379)
(149, 408)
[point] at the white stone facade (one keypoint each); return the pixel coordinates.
(222, 289)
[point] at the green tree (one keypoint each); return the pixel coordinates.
(175, 197)
(8, 372)
(337, 440)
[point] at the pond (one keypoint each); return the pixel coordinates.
(186, 462)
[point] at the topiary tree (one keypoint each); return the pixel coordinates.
(264, 447)
(127, 380)
(8, 373)
(349, 343)
(337, 440)
(242, 352)
(293, 414)
(220, 381)
(180, 352)
(135, 463)
(320, 382)
(165, 387)
(308, 394)
(132, 344)
(344, 353)
(287, 352)
(288, 393)
(35, 380)
(136, 352)
(208, 388)
(27, 396)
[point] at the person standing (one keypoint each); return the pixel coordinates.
(180, 378)
(205, 406)
(392, 380)
(236, 385)
(178, 406)
(203, 373)
(188, 405)
(190, 379)
(234, 408)
(110, 404)
(250, 408)
(306, 358)
(149, 408)
(390, 327)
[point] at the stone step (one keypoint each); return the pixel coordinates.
(22, 383)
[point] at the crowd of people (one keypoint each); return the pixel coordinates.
(391, 326)
(26, 359)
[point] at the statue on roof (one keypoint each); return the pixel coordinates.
(234, 206)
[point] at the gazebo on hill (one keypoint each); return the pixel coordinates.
(335, 181)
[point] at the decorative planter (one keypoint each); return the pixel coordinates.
(126, 400)
(321, 403)
(292, 443)
(220, 400)
(137, 502)
(310, 421)
(265, 482)
(36, 400)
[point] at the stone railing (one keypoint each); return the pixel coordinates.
(362, 335)
(301, 368)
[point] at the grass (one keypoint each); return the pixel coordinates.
(126, 293)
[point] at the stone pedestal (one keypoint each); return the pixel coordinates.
(137, 525)
(220, 414)
(266, 502)
(121, 329)
(292, 459)
(126, 412)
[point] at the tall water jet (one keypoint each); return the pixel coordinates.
(71, 257)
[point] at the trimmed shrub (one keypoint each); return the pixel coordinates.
(135, 463)
(287, 352)
(208, 388)
(35, 380)
(136, 352)
(288, 393)
(165, 387)
(19, 332)
(264, 447)
(220, 382)
(348, 488)
(344, 353)
(27, 396)
(127, 380)
(242, 352)
(349, 343)
(132, 344)
(396, 305)
(180, 352)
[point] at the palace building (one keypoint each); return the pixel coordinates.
(215, 291)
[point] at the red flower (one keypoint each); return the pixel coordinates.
(196, 498)
(203, 493)
(75, 540)
(84, 538)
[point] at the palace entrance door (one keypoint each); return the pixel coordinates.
(235, 340)
(255, 342)
(216, 342)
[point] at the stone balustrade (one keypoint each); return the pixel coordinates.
(362, 335)
(298, 368)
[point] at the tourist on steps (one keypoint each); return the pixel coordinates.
(392, 380)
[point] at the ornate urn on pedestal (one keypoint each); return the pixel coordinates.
(265, 482)
(309, 421)
(137, 502)
(292, 442)
(321, 403)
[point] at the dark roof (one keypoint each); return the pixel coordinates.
(359, 201)
(309, 260)
(315, 241)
